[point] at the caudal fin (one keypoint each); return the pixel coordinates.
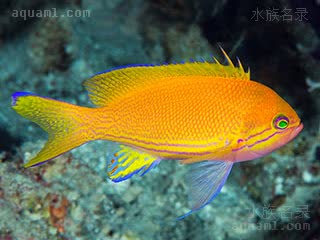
(63, 121)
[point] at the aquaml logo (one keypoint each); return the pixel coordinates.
(49, 13)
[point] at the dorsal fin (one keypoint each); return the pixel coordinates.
(106, 86)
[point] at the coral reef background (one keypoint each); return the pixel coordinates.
(276, 197)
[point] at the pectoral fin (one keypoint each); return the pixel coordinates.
(206, 180)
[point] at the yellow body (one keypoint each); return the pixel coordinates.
(181, 117)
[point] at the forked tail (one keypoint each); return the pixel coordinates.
(66, 124)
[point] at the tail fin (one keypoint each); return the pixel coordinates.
(63, 121)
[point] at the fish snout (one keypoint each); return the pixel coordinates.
(296, 131)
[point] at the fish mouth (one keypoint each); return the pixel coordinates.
(296, 131)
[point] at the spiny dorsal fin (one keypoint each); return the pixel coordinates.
(107, 86)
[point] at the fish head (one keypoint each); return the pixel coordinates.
(270, 124)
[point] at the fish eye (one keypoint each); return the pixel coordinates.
(280, 122)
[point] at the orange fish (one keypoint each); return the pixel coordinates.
(207, 114)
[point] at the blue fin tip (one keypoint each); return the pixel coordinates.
(16, 95)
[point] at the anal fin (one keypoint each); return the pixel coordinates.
(127, 162)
